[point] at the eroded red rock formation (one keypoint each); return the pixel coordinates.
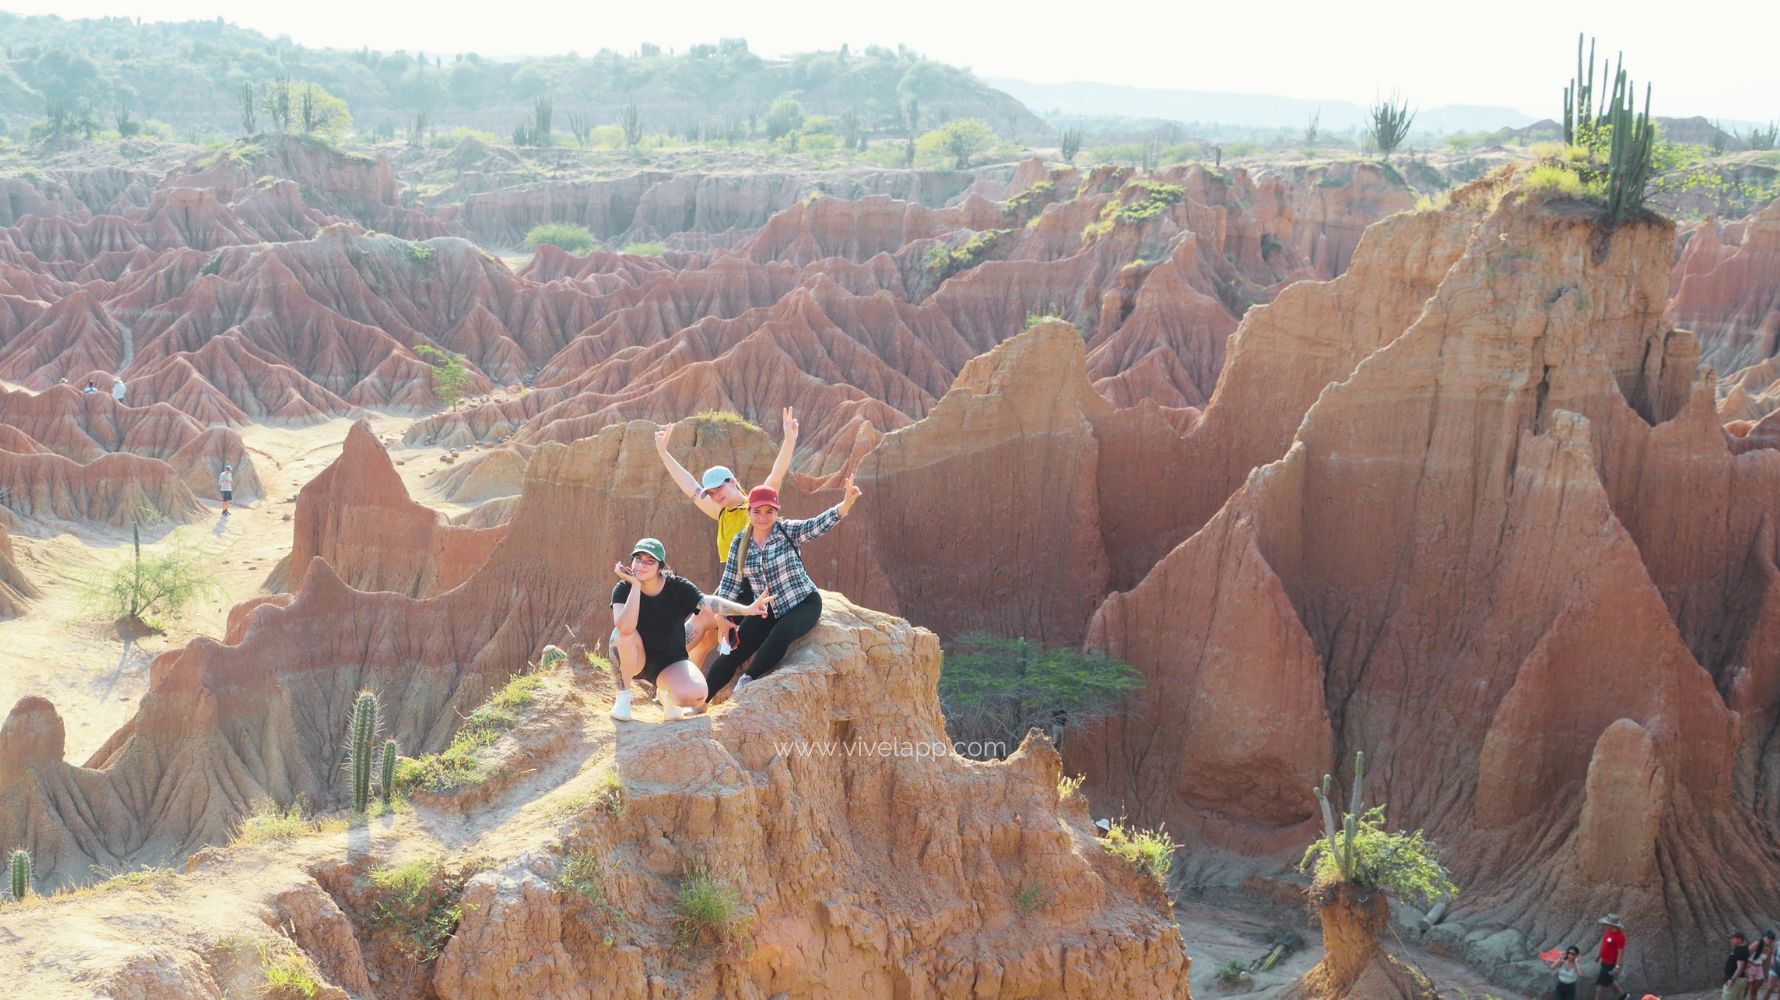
(1493, 547)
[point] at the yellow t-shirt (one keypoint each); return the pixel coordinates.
(729, 524)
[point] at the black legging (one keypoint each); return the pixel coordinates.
(766, 638)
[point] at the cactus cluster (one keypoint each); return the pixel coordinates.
(1580, 110)
(20, 869)
(1341, 841)
(1614, 122)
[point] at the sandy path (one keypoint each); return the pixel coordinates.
(93, 671)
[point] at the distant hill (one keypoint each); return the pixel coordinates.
(1252, 110)
(191, 74)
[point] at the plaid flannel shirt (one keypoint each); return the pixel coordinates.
(775, 566)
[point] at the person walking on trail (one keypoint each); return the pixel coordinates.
(1736, 969)
(117, 391)
(767, 557)
(1611, 956)
(1569, 970)
(1761, 958)
(1769, 987)
(92, 387)
(650, 606)
(718, 494)
(225, 484)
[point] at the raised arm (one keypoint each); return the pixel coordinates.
(821, 524)
(625, 615)
(782, 463)
(681, 477)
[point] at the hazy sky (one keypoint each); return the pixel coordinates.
(1707, 58)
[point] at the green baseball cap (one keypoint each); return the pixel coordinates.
(652, 547)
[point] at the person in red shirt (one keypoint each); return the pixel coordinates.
(1611, 956)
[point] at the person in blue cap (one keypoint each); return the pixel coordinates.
(720, 497)
(650, 606)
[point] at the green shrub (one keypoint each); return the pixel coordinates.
(1358, 851)
(288, 975)
(1553, 181)
(449, 375)
(269, 824)
(943, 261)
(705, 905)
(654, 248)
(163, 583)
(1150, 851)
(1141, 200)
(461, 762)
(564, 236)
(1030, 899)
(724, 417)
(956, 141)
(1068, 786)
(1232, 972)
(584, 874)
(422, 904)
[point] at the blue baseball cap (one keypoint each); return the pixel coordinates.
(715, 476)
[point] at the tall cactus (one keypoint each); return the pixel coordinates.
(359, 748)
(1628, 158)
(389, 771)
(21, 873)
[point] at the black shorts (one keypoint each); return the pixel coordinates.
(228, 494)
(654, 663)
(1606, 976)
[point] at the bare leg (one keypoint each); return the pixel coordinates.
(701, 636)
(682, 689)
(627, 662)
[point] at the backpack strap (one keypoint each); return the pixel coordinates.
(779, 526)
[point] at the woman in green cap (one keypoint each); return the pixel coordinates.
(650, 606)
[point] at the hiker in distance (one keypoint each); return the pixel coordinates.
(767, 557)
(650, 606)
(719, 495)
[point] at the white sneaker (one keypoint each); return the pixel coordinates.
(621, 706)
(741, 682)
(674, 713)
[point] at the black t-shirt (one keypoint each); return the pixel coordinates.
(661, 620)
(1739, 955)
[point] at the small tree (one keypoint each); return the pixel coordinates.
(449, 374)
(995, 689)
(1311, 130)
(162, 584)
(785, 117)
(1759, 139)
(960, 140)
(1390, 124)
